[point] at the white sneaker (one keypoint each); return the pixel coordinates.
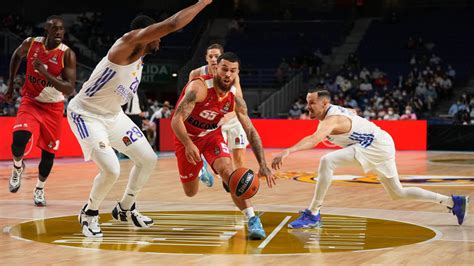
(90, 223)
(132, 215)
(38, 197)
(15, 178)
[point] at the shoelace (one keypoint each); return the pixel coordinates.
(94, 224)
(39, 193)
(16, 174)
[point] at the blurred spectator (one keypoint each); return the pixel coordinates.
(391, 115)
(408, 115)
(456, 107)
(295, 111)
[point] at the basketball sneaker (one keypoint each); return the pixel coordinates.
(15, 178)
(38, 197)
(459, 208)
(306, 220)
(255, 228)
(132, 215)
(89, 221)
(205, 176)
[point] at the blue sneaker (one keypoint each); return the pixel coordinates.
(306, 220)
(255, 229)
(460, 207)
(204, 175)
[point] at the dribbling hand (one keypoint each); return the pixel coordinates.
(192, 154)
(267, 173)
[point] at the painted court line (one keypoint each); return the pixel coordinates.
(275, 231)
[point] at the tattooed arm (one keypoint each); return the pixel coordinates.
(253, 137)
(195, 92)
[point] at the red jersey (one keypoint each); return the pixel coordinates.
(206, 115)
(36, 85)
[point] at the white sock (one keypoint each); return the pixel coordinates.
(40, 184)
(127, 200)
(446, 201)
(18, 164)
(249, 213)
(315, 207)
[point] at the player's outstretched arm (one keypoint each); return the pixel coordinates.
(324, 129)
(195, 92)
(254, 139)
(19, 53)
(169, 25)
(66, 83)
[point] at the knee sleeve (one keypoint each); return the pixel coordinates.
(46, 164)
(20, 139)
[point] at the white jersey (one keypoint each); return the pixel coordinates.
(362, 131)
(109, 87)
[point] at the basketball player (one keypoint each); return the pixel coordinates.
(50, 74)
(197, 127)
(232, 130)
(97, 120)
(364, 144)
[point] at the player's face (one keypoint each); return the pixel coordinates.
(153, 47)
(55, 30)
(315, 106)
(226, 74)
(211, 57)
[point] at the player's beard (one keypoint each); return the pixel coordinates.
(221, 85)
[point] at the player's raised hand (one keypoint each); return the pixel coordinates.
(267, 173)
(206, 2)
(278, 159)
(192, 154)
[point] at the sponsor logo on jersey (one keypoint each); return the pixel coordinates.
(226, 107)
(39, 81)
(193, 121)
(102, 145)
(217, 151)
(237, 141)
(126, 140)
(54, 59)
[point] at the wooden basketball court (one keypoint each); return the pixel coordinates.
(361, 223)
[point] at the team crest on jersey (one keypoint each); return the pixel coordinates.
(102, 145)
(126, 140)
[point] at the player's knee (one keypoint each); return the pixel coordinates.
(325, 163)
(397, 194)
(190, 191)
(147, 159)
(46, 164)
(20, 139)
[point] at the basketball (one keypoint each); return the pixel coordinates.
(243, 183)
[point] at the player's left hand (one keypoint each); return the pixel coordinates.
(267, 173)
(39, 66)
(278, 159)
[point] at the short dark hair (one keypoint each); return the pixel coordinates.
(320, 93)
(58, 17)
(141, 22)
(215, 46)
(229, 56)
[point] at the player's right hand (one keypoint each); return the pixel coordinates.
(192, 154)
(9, 94)
(278, 159)
(206, 2)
